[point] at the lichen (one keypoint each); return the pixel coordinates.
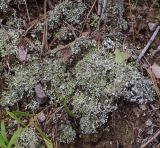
(114, 13)
(62, 84)
(93, 86)
(8, 40)
(28, 139)
(81, 45)
(68, 134)
(102, 83)
(22, 83)
(4, 5)
(70, 11)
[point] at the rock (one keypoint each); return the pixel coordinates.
(41, 117)
(152, 26)
(40, 94)
(149, 122)
(21, 53)
(156, 70)
(143, 107)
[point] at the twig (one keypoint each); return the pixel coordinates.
(27, 10)
(45, 33)
(63, 46)
(87, 17)
(148, 44)
(101, 7)
(151, 139)
(31, 26)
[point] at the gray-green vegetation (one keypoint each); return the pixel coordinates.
(93, 86)
(28, 139)
(70, 11)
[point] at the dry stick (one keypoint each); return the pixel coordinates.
(99, 7)
(44, 40)
(30, 27)
(27, 10)
(87, 17)
(151, 139)
(103, 6)
(148, 44)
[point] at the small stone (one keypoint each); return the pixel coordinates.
(143, 107)
(156, 70)
(40, 94)
(21, 53)
(152, 26)
(148, 122)
(41, 117)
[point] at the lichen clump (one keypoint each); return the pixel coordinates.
(28, 139)
(70, 11)
(93, 86)
(115, 12)
(103, 82)
(20, 84)
(68, 134)
(8, 40)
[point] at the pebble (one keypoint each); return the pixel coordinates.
(21, 53)
(148, 122)
(156, 70)
(152, 26)
(143, 107)
(41, 117)
(40, 94)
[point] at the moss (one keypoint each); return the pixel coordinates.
(82, 45)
